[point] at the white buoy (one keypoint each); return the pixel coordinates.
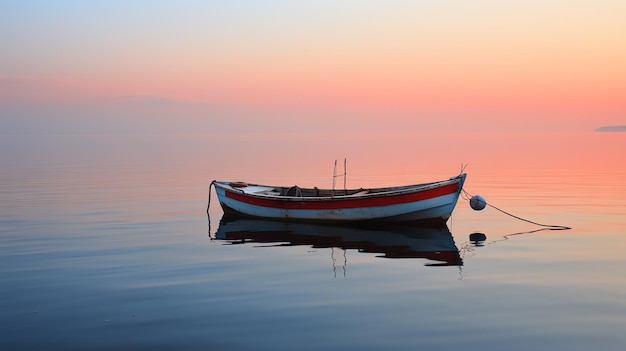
(478, 202)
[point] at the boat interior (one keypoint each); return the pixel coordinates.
(296, 191)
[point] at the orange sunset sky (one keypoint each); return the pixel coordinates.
(208, 66)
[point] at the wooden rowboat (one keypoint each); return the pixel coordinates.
(426, 203)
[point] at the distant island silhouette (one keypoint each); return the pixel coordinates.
(611, 129)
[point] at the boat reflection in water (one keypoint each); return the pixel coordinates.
(391, 241)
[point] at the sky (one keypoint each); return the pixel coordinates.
(297, 66)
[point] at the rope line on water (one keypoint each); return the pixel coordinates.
(209, 204)
(467, 196)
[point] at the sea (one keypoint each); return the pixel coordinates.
(106, 244)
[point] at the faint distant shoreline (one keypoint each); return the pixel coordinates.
(611, 129)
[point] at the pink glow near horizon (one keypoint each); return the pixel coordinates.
(473, 63)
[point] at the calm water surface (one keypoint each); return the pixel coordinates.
(105, 244)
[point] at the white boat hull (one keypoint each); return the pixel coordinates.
(430, 202)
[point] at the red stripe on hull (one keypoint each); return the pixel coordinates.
(294, 204)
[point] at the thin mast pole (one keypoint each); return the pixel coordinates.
(344, 176)
(334, 175)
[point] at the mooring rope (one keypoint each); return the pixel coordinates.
(209, 204)
(467, 196)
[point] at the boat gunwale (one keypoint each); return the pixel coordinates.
(371, 192)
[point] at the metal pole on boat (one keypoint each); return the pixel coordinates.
(344, 176)
(334, 177)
